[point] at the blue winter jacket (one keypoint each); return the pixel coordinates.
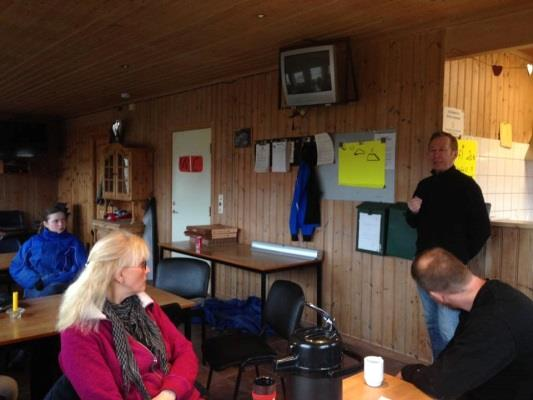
(53, 258)
(305, 208)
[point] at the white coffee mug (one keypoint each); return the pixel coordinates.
(373, 371)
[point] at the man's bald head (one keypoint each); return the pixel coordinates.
(437, 270)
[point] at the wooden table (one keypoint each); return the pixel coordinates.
(39, 319)
(5, 260)
(242, 256)
(355, 388)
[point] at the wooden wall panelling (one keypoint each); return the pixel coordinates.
(373, 298)
(487, 99)
(525, 265)
(510, 246)
(34, 191)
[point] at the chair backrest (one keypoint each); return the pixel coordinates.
(186, 277)
(9, 245)
(62, 390)
(284, 307)
(12, 219)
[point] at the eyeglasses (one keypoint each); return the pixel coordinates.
(142, 265)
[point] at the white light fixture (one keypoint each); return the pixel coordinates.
(529, 69)
(260, 16)
(284, 249)
(125, 95)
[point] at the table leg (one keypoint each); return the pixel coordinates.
(44, 367)
(187, 321)
(213, 279)
(263, 297)
(318, 289)
(319, 284)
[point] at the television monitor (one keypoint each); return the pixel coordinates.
(22, 139)
(320, 74)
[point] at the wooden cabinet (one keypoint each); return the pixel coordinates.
(125, 175)
(102, 227)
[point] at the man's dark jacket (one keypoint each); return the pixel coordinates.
(453, 214)
(491, 354)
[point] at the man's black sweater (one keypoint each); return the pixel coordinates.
(453, 214)
(491, 354)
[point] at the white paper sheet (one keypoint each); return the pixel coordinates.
(324, 149)
(369, 232)
(280, 157)
(262, 157)
(390, 152)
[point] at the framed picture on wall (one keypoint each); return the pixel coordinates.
(243, 137)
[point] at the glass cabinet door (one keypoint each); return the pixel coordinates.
(123, 174)
(108, 174)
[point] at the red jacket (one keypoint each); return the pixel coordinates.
(89, 361)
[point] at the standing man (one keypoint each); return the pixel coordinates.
(491, 354)
(448, 211)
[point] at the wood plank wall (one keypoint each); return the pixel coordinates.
(373, 298)
(487, 100)
(34, 191)
(470, 84)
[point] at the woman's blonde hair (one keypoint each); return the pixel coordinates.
(86, 296)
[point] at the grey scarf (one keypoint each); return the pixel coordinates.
(129, 317)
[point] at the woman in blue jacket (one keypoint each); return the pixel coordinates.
(49, 261)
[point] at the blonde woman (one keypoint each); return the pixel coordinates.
(116, 342)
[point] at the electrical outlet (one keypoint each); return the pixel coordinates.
(220, 203)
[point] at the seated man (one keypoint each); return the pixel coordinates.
(8, 388)
(491, 353)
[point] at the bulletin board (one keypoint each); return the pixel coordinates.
(329, 174)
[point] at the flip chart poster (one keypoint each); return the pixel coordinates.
(362, 164)
(466, 160)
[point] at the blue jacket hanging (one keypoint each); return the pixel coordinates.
(305, 208)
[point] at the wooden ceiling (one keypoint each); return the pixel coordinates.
(63, 58)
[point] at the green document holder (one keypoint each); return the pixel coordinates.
(401, 238)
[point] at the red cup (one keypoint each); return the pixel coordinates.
(198, 244)
(264, 388)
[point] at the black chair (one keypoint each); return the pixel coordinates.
(282, 312)
(62, 390)
(8, 245)
(186, 277)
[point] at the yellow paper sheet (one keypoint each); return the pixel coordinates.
(466, 160)
(362, 164)
(506, 134)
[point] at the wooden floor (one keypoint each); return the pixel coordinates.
(222, 385)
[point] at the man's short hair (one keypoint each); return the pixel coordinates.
(438, 270)
(453, 140)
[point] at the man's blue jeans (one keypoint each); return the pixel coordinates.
(441, 322)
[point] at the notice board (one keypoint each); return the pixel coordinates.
(328, 175)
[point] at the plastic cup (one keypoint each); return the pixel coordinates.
(264, 388)
(373, 371)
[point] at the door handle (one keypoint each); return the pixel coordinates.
(175, 212)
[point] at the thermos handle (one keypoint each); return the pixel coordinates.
(285, 363)
(328, 322)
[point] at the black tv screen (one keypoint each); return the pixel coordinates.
(308, 72)
(318, 74)
(22, 139)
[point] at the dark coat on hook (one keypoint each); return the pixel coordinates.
(305, 208)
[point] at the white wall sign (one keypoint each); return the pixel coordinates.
(453, 121)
